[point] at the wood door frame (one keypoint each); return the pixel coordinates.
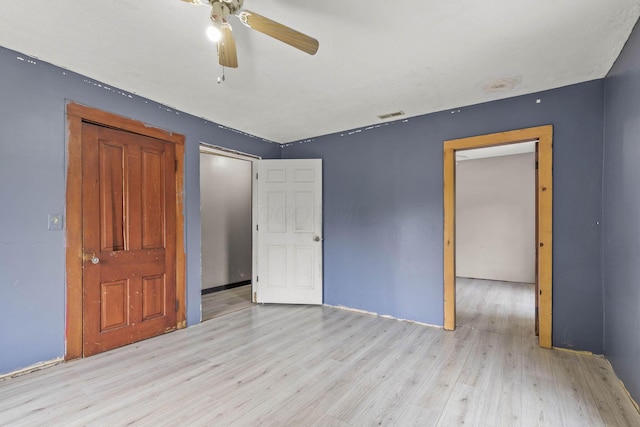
(76, 114)
(544, 218)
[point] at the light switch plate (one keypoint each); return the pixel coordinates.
(55, 222)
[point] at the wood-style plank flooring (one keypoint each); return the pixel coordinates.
(271, 365)
(506, 308)
(224, 302)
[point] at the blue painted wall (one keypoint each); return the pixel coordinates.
(621, 215)
(383, 206)
(33, 95)
(382, 196)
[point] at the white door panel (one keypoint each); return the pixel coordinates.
(288, 231)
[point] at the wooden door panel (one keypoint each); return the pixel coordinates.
(152, 199)
(153, 297)
(111, 186)
(129, 225)
(115, 305)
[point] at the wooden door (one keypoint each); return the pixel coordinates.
(289, 231)
(128, 220)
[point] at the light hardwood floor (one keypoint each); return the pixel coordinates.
(224, 302)
(506, 308)
(322, 366)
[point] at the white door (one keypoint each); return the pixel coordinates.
(288, 231)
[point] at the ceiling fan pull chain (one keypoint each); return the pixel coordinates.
(221, 79)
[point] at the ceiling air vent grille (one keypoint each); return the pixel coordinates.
(390, 115)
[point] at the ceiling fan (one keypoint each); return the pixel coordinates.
(222, 9)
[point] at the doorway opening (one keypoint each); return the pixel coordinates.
(226, 230)
(495, 239)
(543, 137)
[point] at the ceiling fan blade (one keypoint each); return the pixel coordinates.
(197, 2)
(227, 55)
(278, 31)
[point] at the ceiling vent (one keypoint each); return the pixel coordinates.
(390, 115)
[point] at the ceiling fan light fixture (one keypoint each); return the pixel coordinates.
(221, 33)
(213, 33)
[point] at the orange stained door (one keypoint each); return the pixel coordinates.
(128, 211)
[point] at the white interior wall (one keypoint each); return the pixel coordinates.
(495, 218)
(225, 203)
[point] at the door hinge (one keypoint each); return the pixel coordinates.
(257, 227)
(177, 305)
(536, 165)
(176, 165)
(257, 278)
(256, 176)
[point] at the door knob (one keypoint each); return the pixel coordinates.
(317, 239)
(91, 257)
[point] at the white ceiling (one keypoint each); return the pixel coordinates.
(375, 56)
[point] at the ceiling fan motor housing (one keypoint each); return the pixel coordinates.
(221, 9)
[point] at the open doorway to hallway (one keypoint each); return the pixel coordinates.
(495, 239)
(226, 234)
